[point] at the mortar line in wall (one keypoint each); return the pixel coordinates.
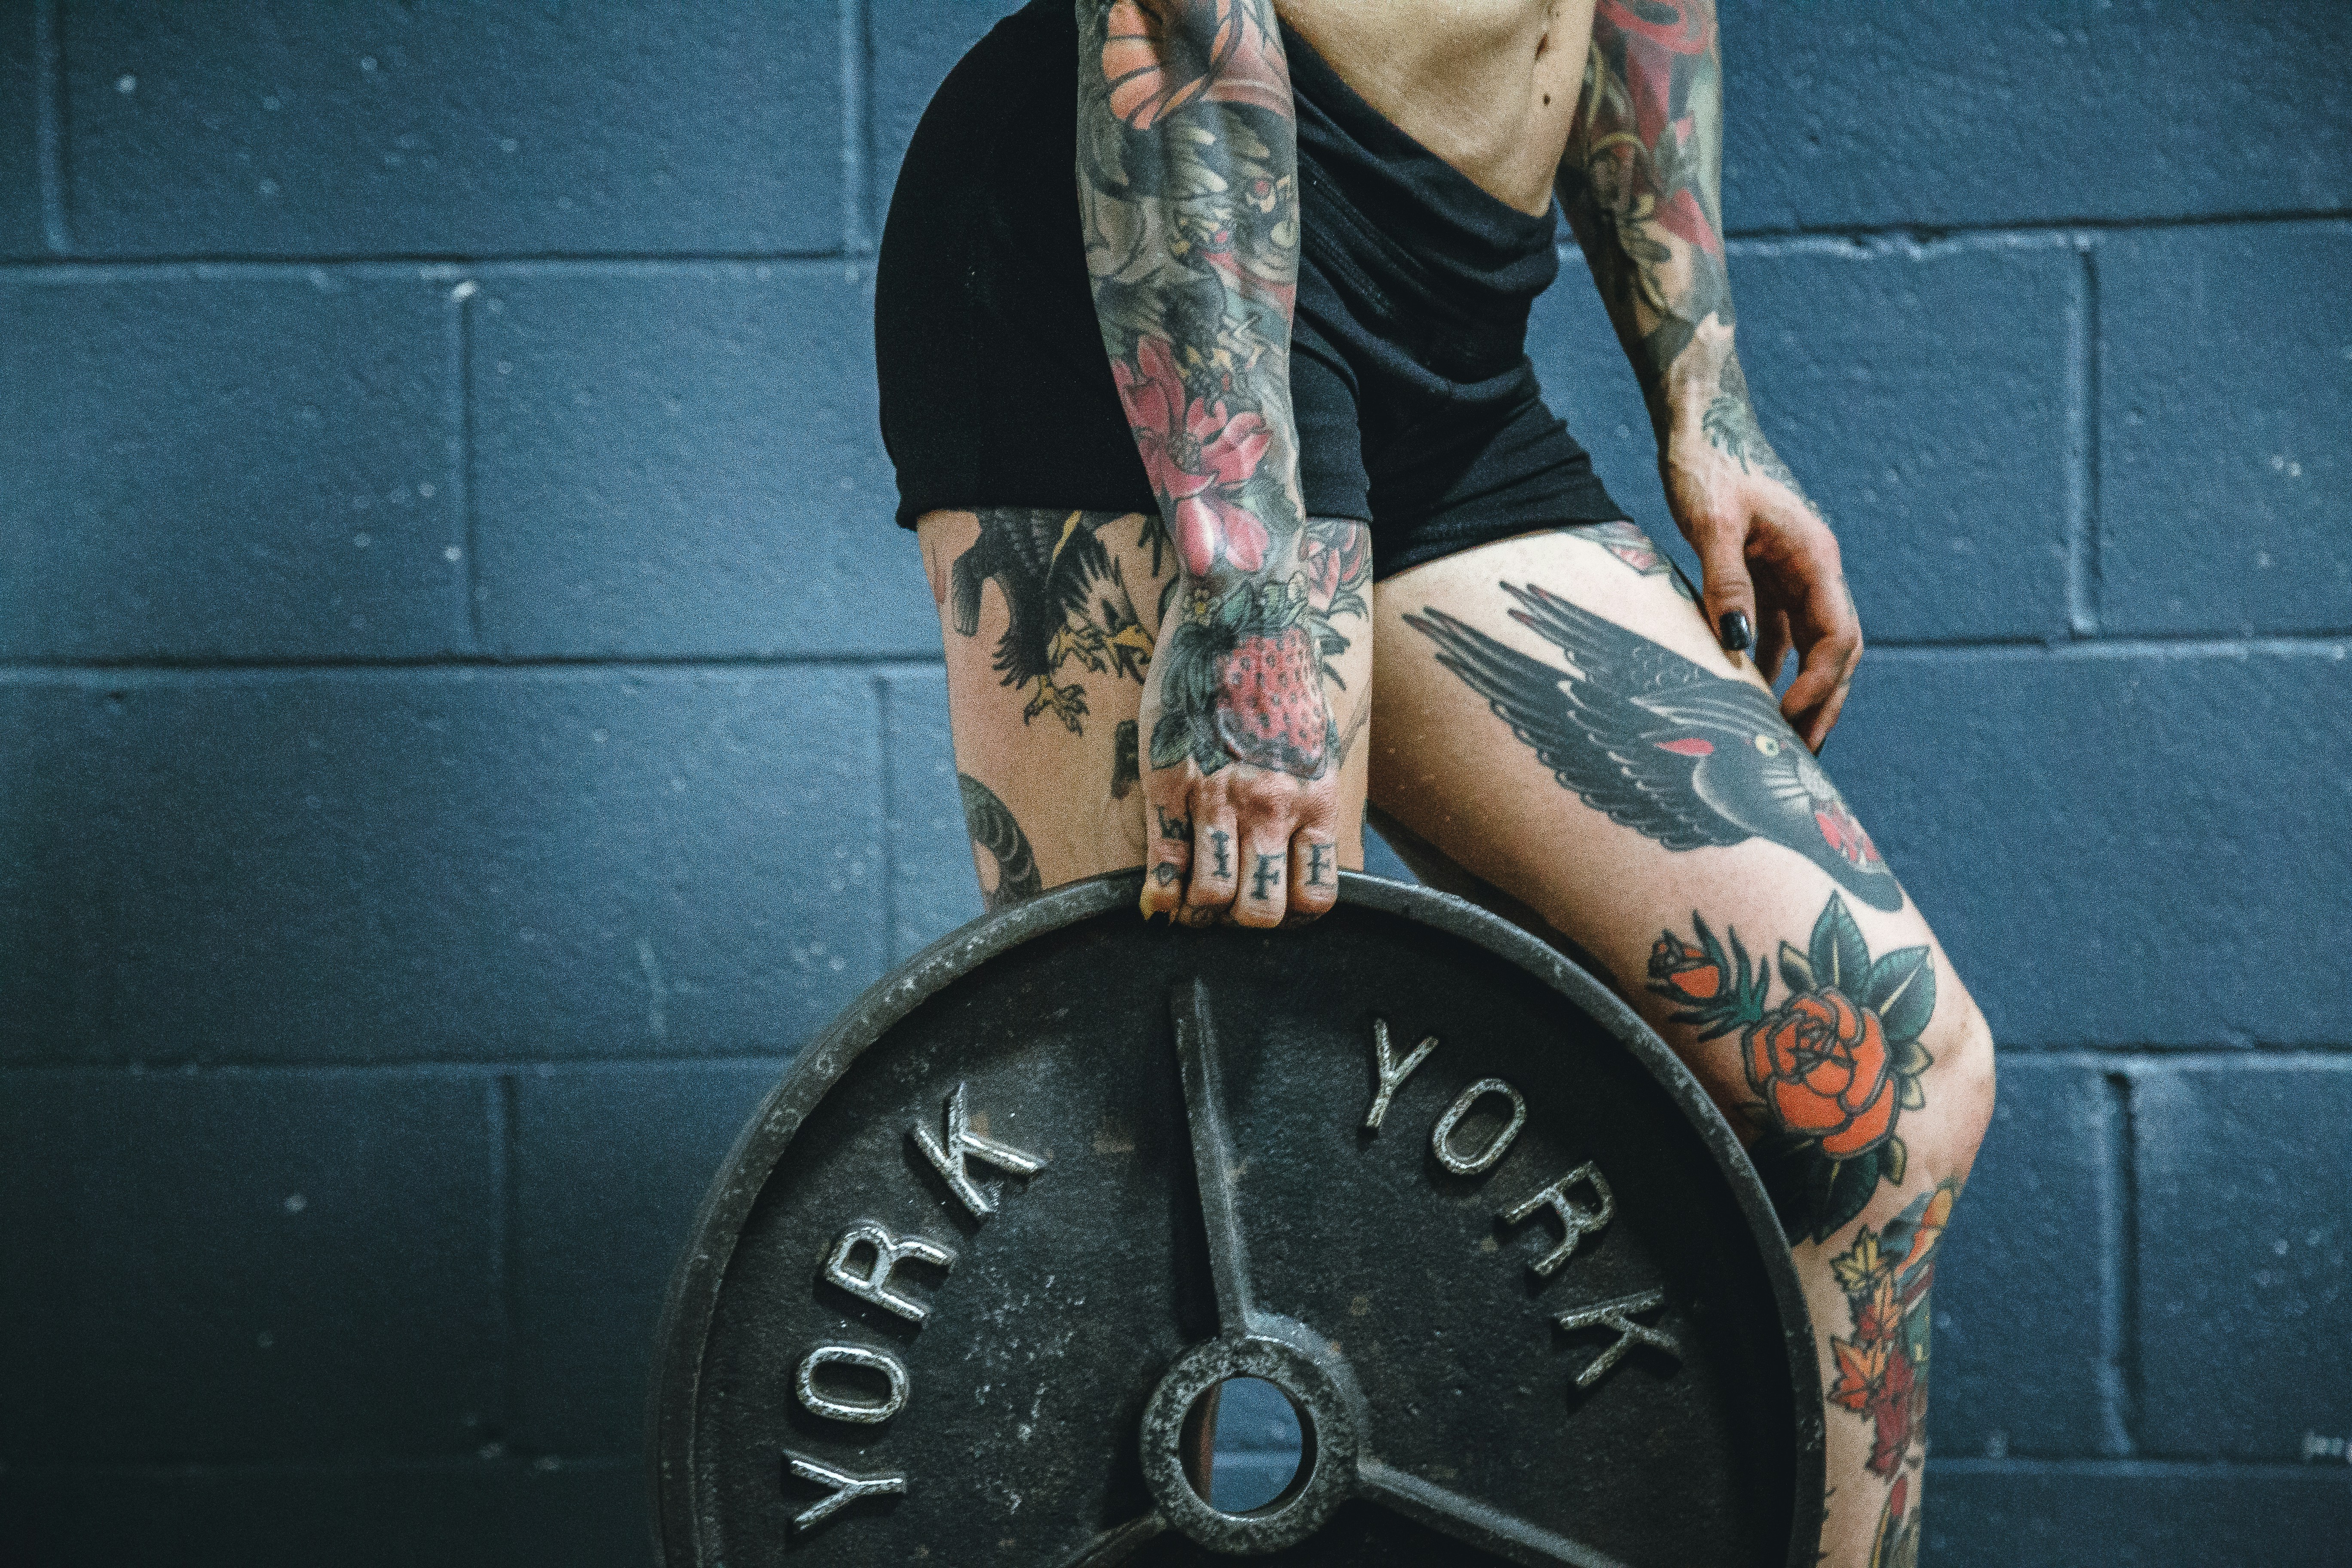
(2084, 339)
(2120, 1401)
(857, 129)
(411, 261)
(2038, 228)
(361, 663)
(503, 1205)
(2183, 1470)
(372, 1466)
(1928, 233)
(461, 370)
(887, 755)
(49, 125)
(2334, 643)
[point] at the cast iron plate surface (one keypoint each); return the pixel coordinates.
(1452, 1425)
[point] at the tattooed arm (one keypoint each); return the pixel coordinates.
(1641, 182)
(1187, 164)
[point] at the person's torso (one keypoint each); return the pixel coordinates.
(1489, 85)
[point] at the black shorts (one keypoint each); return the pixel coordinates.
(1417, 407)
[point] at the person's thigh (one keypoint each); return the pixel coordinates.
(1049, 619)
(1557, 733)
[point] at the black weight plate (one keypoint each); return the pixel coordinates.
(1387, 1293)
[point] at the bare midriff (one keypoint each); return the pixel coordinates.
(1490, 86)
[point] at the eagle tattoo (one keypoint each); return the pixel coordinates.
(1658, 745)
(1049, 564)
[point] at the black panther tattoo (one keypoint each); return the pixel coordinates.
(1659, 744)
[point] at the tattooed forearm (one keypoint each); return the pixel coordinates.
(1186, 173)
(1730, 426)
(997, 836)
(1642, 177)
(1641, 182)
(1833, 1067)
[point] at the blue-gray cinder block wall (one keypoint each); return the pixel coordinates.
(466, 718)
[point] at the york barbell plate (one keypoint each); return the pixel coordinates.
(987, 1372)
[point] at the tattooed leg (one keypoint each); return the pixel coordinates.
(1566, 734)
(1633, 548)
(997, 840)
(1051, 791)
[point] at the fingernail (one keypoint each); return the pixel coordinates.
(1737, 636)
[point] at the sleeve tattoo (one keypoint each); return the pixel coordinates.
(1642, 184)
(1188, 197)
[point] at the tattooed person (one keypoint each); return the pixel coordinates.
(1202, 329)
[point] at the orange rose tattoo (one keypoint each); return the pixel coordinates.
(1833, 1065)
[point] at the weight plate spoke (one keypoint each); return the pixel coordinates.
(1468, 1520)
(1212, 1154)
(964, 1289)
(1115, 1546)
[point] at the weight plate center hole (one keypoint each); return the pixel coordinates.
(1251, 1443)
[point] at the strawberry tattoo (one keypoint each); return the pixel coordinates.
(1243, 683)
(1270, 705)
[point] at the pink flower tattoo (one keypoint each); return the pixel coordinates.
(1198, 456)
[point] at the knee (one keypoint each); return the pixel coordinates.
(1960, 1087)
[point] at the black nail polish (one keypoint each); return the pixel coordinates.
(1737, 636)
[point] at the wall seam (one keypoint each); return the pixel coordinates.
(461, 370)
(37, 669)
(1931, 232)
(49, 125)
(504, 1200)
(2082, 439)
(856, 130)
(2119, 1376)
(887, 786)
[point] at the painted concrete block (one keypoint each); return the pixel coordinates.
(2225, 425)
(20, 162)
(1850, 112)
(2244, 1238)
(610, 1163)
(1921, 395)
(242, 1264)
(366, 865)
(2134, 1516)
(688, 461)
(497, 1512)
(2117, 845)
(229, 464)
(2022, 1279)
(437, 129)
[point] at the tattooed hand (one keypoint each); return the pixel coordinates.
(1188, 196)
(1640, 184)
(1772, 564)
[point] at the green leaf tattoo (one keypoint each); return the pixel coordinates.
(1833, 1067)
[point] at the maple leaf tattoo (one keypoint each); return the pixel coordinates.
(1658, 745)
